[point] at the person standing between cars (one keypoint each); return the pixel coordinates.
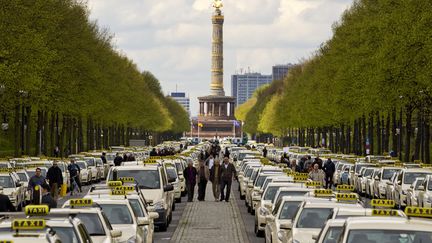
(118, 160)
(227, 153)
(329, 169)
(202, 179)
(215, 179)
(317, 174)
(308, 165)
(210, 161)
(294, 166)
(5, 203)
(36, 180)
(226, 176)
(47, 198)
(55, 179)
(74, 171)
(265, 152)
(103, 158)
(190, 174)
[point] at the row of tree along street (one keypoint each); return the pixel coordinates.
(63, 83)
(367, 89)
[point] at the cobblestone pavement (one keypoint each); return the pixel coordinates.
(211, 221)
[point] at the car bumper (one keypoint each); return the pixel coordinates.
(261, 220)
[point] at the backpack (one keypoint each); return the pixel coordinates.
(345, 178)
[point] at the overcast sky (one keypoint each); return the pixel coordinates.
(172, 38)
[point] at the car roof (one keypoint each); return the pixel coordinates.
(389, 223)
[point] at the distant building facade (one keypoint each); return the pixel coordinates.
(244, 85)
(181, 98)
(279, 72)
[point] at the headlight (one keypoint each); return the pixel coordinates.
(131, 240)
(159, 205)
(264, 211)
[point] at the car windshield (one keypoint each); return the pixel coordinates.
(99, 163)
(388, 173)
(136, 208)
(90, 162)
(82, 164)
(6, 182)
(340, 166)
(66, 234)
(271, 192)
(430, 184)
(314, 217)
(172, 173)
(146, 179)
(289, 209)
(179, 167)
(410, 177)
(254, 175)
(358, 168)
(249, 172)
(117, 213)
(368, 172)
(22, 176)
(289, 193)
(260, 181)
(93, 223)
(394, 236)
(332, 234)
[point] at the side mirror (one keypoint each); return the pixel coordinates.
(315, 237)
(421, 188)
(261, 191)
(286, 225)
(171, 180)
(268, 205)
(270, 218)
(153, 215)
(151, 209)
(399, 182)
(116, 233)
(168, 188)
(18, 184)
(142, 221)
(377, 178)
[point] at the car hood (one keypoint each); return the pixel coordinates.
(305, 235)
(128, 230)
(152, 194)
(100, 239)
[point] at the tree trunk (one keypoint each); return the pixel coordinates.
(28, 130)
(408, 135)
(38, 132)
(393, 132)
(363, 125)
(400, 135)
(17, 130)
(378, 134)
(52, 135)
(418, 138)
(427, 141)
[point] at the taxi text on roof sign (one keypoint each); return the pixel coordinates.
(418, 212)
(118, 192)
(313, 183)
(127, 179)
(300, 178)
(323, 192)
(124, 188)
(345, 188)
(6, 170)
(114, 183)
(6, 241)
(36, 210)
(384, 212)
(382, 203)
(28, 224)
(346, 196)
(83, 202)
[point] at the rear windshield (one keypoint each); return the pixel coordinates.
(290, 193)
(314, 217)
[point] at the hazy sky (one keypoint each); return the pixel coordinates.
(172, 38)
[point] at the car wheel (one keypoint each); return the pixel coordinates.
(178, 200)
(164, 226)
(258, 232)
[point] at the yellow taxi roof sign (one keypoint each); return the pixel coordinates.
(345, 188)
(385, 212)
(346, 196)
(383, 203)
(418, 212)
(313, 183)
(5, 170)
(114, 183)
(299, 178)
(6, 241)
(81, 202)
(124, 188)
(127, 179)
(36, 210)
(118, 192)
(323, 192)
(28, 224)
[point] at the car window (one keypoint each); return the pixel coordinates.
(172, 173)
(6, 182)
(84, 234)
(384, 236)
(314, 217)
(82, 164)
(22, 176)
(93, 223)
(271, 192)
(411, 176)
(388, 173)
(90, 162)
(290, 193)
(136, 208)
(66, 234)
(289, 209)
(117, 213)
(332, 234)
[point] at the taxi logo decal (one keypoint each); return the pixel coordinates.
(81, 202)
(323, 192)
(384, 212)
(36, 210)
(127, 179)
(114, 183)
(418, 212)
(25, 224)
(345, 188)
(346, 196)
(313, 183)
(382, 203)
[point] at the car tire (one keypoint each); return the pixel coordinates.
(164, 226)
(178, 200)
(242, 197)
(258, 233)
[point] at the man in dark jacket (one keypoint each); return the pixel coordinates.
(118, 160)
(55, 178)
(190, 174)
(265, 152)
(153, 152)
(74, 171)
(103, 158)
(227, 172)
(5, 203)
(329, 169)
(46, 197)
(215, 179)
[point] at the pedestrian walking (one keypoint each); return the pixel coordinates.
(56, 152)
(345, 177)
(227, 173)
(103, 158)
(47, 198)
(118, 160)
(294, 166)
(153, 152)
(5, 203)
(55, 179)
(190, 174)
(265, 152)
(308, 165)
(317, 174)
(210, 161)
(319, 162)
(36, 180)
(215, 179)
(285, 159)
(329, 170)
(227, 153)
(74, 172)
(202, 179)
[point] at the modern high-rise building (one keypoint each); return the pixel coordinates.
(181, 98)
(279, 72)
(244, 85)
